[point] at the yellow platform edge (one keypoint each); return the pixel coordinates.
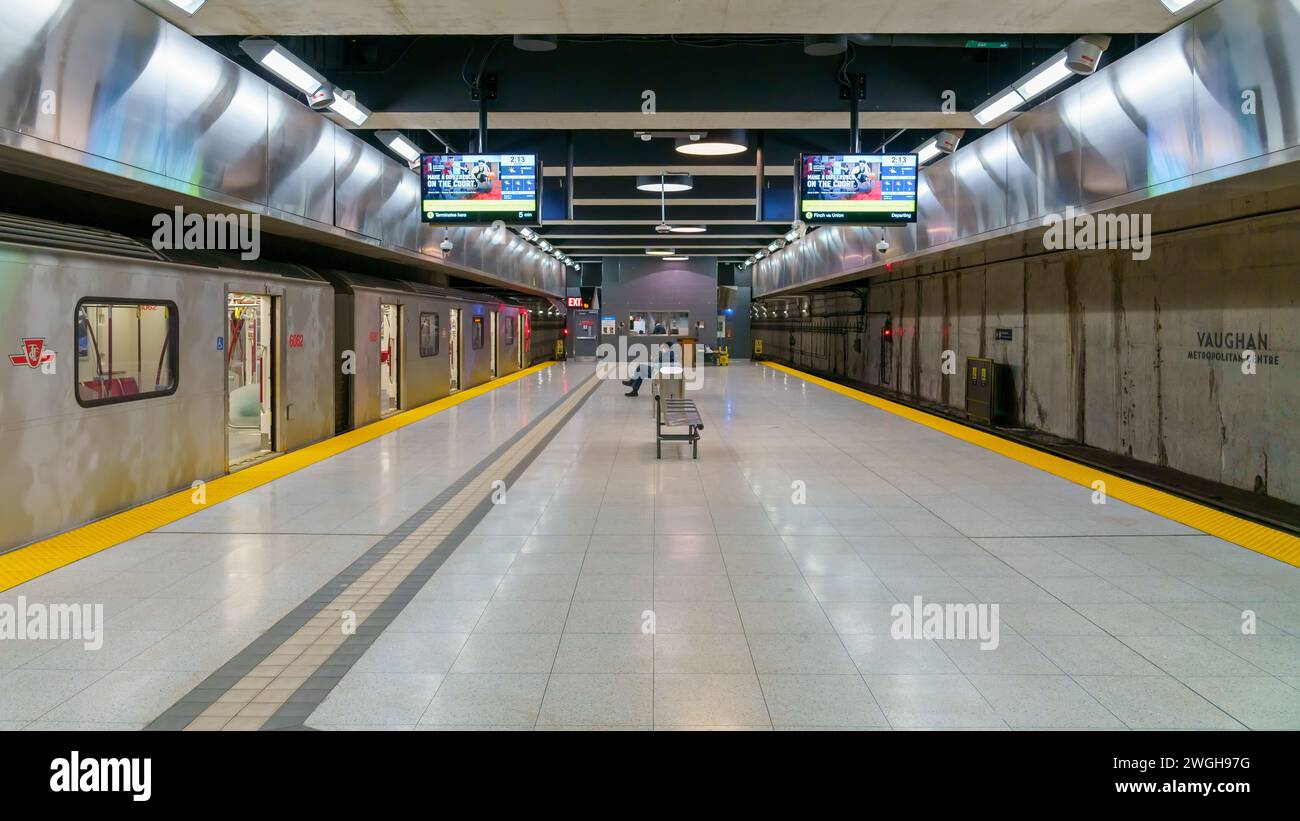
(36, 559)
(1242, 532)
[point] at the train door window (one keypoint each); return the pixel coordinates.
(250, 378)
(523, 339)
(495, 317)
(476, 333)
(453, 346)
(125, 351)
(389, 358)
(429, 335)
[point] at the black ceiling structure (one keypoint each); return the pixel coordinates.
(582, 104)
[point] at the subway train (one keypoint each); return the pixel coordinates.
(130, 373)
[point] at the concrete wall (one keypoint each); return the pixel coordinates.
(1134, 357)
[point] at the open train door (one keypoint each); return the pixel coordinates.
(390, 360)
(250, 352)
(453, 346)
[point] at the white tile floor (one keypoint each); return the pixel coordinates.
(181, 601)
(767, 613)
(771, 614)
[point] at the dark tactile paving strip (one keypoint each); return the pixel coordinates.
(279, 679)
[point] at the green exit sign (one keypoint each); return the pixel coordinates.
(987, 44)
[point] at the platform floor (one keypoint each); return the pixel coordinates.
(749, 589)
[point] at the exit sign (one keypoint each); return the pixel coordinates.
(575, 302)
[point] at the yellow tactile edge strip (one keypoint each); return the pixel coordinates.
(1251, 535)
(39, 558)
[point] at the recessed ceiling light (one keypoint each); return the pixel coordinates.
(664, 183)
(714, 143)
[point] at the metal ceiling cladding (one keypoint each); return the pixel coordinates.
(1141, 127)
(144, 101)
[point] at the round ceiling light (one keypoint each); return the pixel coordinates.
(825, 45)
(537, 42)
(664, 183)
(714, 143)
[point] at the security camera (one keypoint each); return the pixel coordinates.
(446, 246)
(883, 246)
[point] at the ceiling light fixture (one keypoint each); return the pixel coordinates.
(1044, 77)
(276, 59)
(688, 229)
(1008, 100)
(714, 143)
(945, 142)
(660, 252)
(401, 146)
(664, 183)
(1176, 6)
(676, 259)
(825, 45)
(348, 108)
(1081, 57)
(536, 42)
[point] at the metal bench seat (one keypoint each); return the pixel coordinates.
(677, 413)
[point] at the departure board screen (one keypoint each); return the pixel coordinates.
(860, 189)
(473, 189)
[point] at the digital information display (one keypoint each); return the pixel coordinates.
(863, 189)
(461, 189)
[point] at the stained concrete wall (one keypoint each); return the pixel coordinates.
(1108, 351)
(1135, 357)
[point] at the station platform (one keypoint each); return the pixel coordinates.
(521, 560)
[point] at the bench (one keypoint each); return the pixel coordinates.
(677, 413)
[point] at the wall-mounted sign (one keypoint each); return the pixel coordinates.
(575, 302)
(608, 326)
(1003, 334)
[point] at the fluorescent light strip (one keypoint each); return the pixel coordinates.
(401, 146)
(928, 152)
(998, 106)
(188, 6)
(1176, 6)
(1050, 74)
(283, 66)
(349, 110)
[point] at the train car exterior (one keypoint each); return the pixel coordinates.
(125, 381)
(404, 344)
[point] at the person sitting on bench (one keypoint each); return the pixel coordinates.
(635, 382)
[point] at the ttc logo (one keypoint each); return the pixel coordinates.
(34, 354)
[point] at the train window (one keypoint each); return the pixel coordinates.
(476, 333)
(126, 350)
(429, 327)
(508, 331)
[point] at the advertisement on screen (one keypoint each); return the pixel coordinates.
(857, 189)
(479, 189)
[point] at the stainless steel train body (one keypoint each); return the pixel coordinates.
(127, 376)
(405, 344)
